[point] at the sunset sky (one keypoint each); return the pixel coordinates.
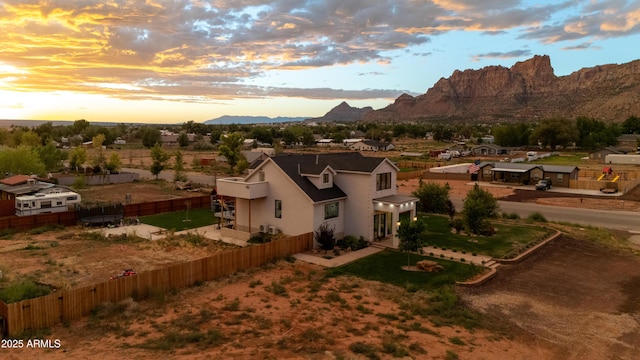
(161, 61)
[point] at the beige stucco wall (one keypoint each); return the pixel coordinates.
(297, 212)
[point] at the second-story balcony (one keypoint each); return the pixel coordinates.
(238, 188)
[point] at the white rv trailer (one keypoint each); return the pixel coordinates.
(45, 203)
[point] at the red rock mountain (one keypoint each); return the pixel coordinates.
(344, 112)
(529, 90)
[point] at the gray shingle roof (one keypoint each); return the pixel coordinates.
(294, 165)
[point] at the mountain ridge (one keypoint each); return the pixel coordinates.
(529, 90)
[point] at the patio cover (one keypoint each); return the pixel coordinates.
(511, 170)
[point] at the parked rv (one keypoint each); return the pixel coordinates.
(45, 203)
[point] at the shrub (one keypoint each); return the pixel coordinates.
(23, 290)
(352, 242)
(364, 349)
(536, 217)
(457, 224)
(511, 216)
(324, 236)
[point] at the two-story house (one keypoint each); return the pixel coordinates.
(295, 194)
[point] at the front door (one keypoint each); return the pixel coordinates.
(379, 225)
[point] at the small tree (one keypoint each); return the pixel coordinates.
(410, 240)
(450, 209)
(479, 206)
(324, 236)
(114, 163)
(179, 167)
(183, 140)
(77, 157)
(159, 160)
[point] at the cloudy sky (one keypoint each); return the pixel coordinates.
(173, 61)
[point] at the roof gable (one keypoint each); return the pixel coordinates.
(297, 166)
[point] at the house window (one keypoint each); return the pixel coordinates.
(487, 172)
(383, 181)
(71, 198)
(261, 176)
(325, 178)
(278, 208)
(331, 210)
(559, 178)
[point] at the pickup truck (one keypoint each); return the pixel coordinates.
(543, 184)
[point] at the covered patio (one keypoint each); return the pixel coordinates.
(388, 212)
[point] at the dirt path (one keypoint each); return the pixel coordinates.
(576, 294)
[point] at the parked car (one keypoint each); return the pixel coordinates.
(124, 273)
(543, 184)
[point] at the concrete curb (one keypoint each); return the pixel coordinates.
(493, 271)
(530, 251)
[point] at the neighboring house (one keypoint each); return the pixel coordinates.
(600, 155)
(371, 145)
(487, 139)
(628, 143)
(489, 149)
(527, 174)
(295, 194)
(22, 185)
(252, 156)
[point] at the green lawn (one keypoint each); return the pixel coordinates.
(506, 239)
(566, 159)
(176, 220)
(386, 266)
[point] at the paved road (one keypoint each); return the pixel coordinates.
(620, 220)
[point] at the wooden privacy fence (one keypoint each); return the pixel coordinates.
(70, 218)
(69, 305)
(163, 206)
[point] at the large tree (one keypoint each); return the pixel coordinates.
(512, 134)
(230, 148)
(20, 160)
(150, 136)
(595, 134)
(631, 125)
(554, 132)
(433, 197)
(51, 156)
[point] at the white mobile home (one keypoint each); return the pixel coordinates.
(45, 203)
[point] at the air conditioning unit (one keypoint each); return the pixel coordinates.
(273, 230)
(264, 229)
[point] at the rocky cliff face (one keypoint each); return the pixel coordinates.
(528, 90)
(344, 112)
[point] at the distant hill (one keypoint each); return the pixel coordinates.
(344, 113)
(529, 90)
(230, 119)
